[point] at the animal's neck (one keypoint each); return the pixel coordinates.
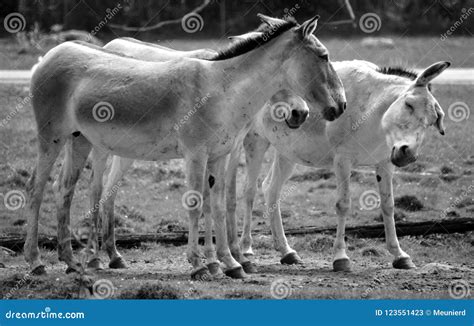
(249, 80)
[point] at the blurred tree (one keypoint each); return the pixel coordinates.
(407, 17)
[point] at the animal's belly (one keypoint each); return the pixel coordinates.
(158, 145)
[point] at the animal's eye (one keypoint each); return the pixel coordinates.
(325, 57)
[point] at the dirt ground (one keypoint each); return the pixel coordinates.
(161, 272)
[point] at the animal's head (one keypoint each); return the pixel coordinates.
(407, 118)
(287, 106)
(305, 64)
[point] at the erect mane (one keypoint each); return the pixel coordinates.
(398, 71)
(402, 72)
(268, 33)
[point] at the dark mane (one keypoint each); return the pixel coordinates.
(398, 71)
(243, 46)
(402, 72)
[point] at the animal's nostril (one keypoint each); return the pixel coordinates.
(404, 149)
(344, 105)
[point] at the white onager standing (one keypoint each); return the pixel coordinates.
(384, 125)
(121, 106)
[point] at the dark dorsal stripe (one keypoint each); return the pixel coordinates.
(402, 72)
(240, 47)
(398, 71)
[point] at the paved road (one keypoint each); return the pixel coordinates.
(452, 76)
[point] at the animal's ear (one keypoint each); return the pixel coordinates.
(431, 73)
(309, 26)
(270, 21)
(440, 119)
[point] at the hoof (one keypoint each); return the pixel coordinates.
(118, 263)
(403, 263)
(201, 274)
(291, 259)
(70, 270)
(237, 272)
(95, 264)
(214, 268)
(39, 270)
(249, 267)
(341, 265)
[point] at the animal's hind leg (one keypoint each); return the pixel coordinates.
(76, 152)
(99, 160)
(255, 147)
(231, 202)
(47, 155)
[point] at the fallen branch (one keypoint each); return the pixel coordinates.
(457, 225)
(160, 24)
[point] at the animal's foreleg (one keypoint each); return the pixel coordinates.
(99, 161)
(217, 174)
(280, 172)
(342, 169)
(192, 201)
(118, 168)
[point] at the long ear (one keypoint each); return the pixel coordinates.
(270, 21)
(431, 73)
(309, 26)
(440, 119)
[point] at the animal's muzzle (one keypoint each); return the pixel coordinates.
(296, 118)
(332, 113)
(402, 156)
